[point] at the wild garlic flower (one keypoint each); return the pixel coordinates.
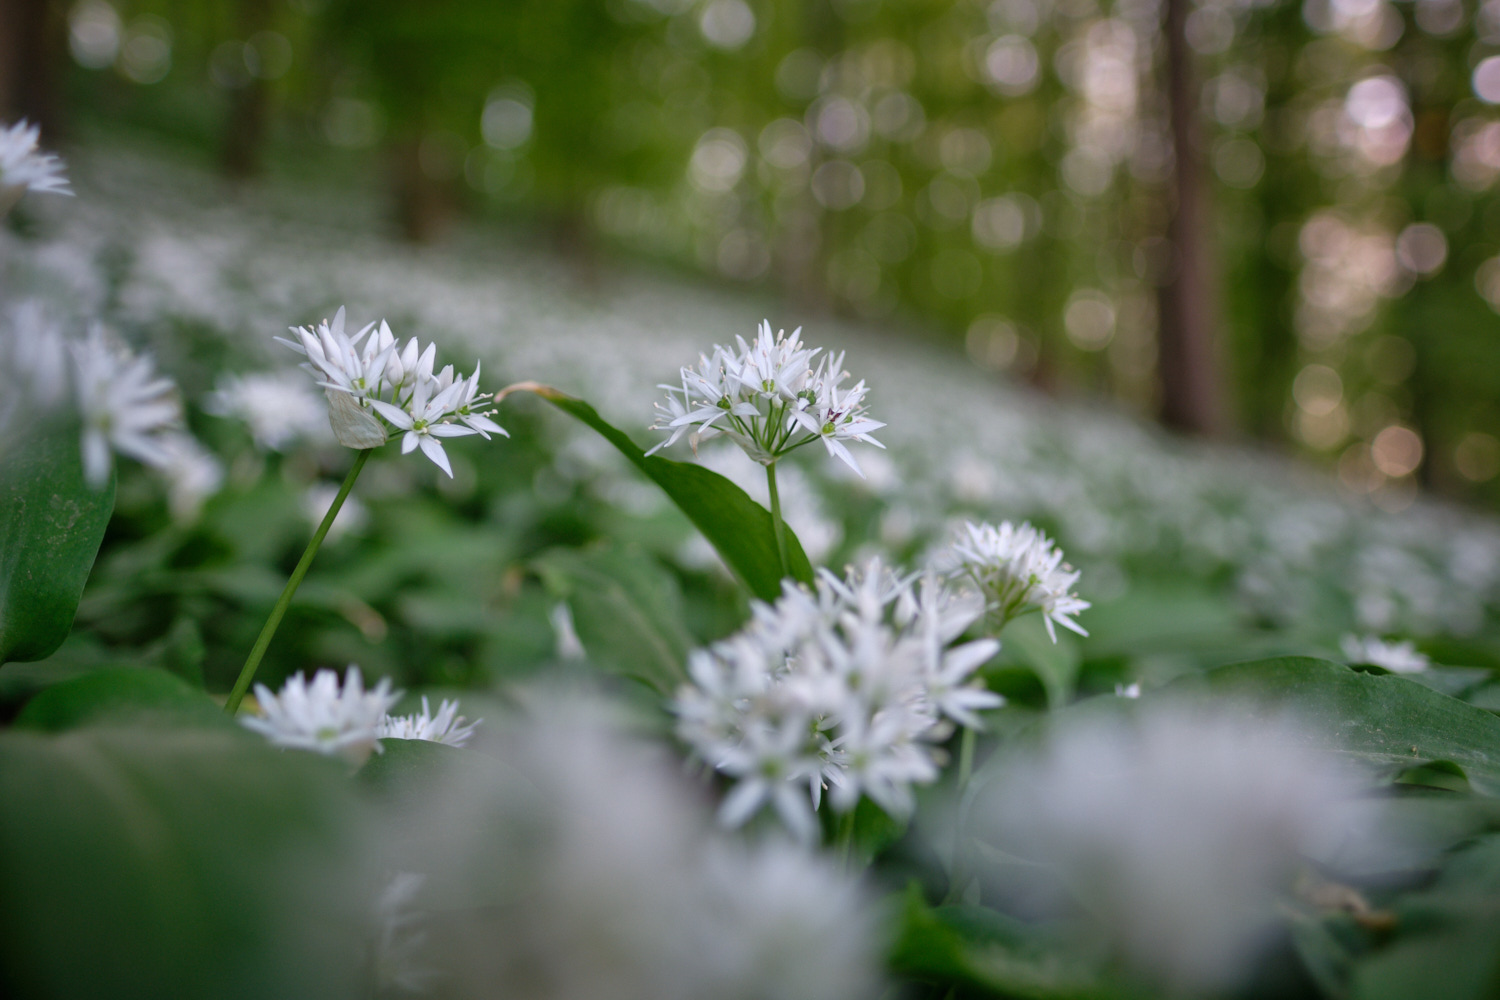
(279, 408)
(1183, 826)
(1397, 657)
(123, 405)
(24, 168)
(769, 398)
(846, 687)
(368, 377)
(446, 727)
(585, 868)
(1018, 569)
(324, 718)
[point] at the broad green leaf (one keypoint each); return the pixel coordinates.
(626, 609)
(994, 954)
(119, 696)
(51, 524)
(408, 764)
(738, 527)
(183, 863)
(1384, 720)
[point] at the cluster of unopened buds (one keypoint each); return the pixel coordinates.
(374, 386)
(770, 398)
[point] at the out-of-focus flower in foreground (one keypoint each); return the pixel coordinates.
(845, 688)
(24, 168)
(1397, 657)
(770, 399)
(323, 717)
(123, 403)
(1019, 569)
(1179, 828)
(586, 868)
(368, 376)
(446, 727)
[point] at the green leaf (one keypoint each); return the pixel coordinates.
(626, 609)
(408, 764)
(51, 525)
(150, 863)
(738, 527)
(1380, 719)
(1025, 642)
(977, 947)
(120, 695)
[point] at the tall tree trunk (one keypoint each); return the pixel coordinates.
(249, 106)
(1192, 397)
(32, 43)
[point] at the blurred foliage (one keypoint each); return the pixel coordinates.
(1001, 171)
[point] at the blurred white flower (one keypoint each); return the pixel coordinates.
(1397, 657)
(1019, 569)
(352, 516)
(843, 688)
(586, 869)
(278, 407)
(1177, 828)
(769, 399)
(445, 727)
(192, 472)
(24, 168)
(321, 717)
(122, 403)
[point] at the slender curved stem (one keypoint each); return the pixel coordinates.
(777, 522)
(247, 672)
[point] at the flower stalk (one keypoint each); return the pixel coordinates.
(247, 672)
(777, 521)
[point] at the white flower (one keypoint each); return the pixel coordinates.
(1397, 657)
(445, 727)
(1180, 827)
(423, 420)
(769, 399)
(845, 688)
(586, 869)
(278, 407)
(123, 405)
(321, 717)
(397, 385)
(23, 168)
(192, 472)
(1019, 569)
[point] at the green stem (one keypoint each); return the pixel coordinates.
(958, 873)
(247, 672)
(845, 838)
(965, 759)
(777, 522)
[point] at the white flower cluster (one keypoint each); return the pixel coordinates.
(349, 721)
(1397, 657)
(122, 404)
(1018, 570)
(278, 407)
(446, 727)
(769, 398)
(846, 687)
(1180, 828)
(584, 867)
(24, 168)
(397, 383)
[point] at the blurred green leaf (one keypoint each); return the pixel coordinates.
(626, 609)
(738, 527)
(1385, 720)
(120, 695)
(978, 948)
(408, 764)
(179, 863)
(1025, 642)
(51, 525)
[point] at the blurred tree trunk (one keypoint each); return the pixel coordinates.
(250, 105)
(33, 39)
(1192, 397)
(421, 208)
